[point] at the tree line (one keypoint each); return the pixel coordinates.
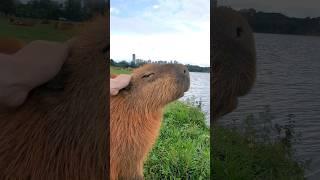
(125, 64)
(72, 10)
(277, 23)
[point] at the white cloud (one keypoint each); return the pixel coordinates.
(114, 11)
(174, 30)
(156, 6)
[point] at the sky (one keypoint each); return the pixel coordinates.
(161, 30)
(292, 8)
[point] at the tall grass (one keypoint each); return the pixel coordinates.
(182, 150)
(248, 152)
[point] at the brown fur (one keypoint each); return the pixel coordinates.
(10, 45)
(234, 60)
(136, 114)
(61, 132)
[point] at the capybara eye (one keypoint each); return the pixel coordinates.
(147, 75)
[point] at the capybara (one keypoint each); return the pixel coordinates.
(10, 45)
(136, 114)
(61, 131)
(234, 60)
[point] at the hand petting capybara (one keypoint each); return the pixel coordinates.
(136, 114)
(234, 60)
(61, 131)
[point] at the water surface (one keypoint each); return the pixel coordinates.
(288, 81)
(200, 91)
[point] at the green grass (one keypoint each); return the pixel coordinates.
(245, 156)
(182, 150)
(37, 32)
(117, 70)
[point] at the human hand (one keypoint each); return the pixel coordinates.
(118, 83)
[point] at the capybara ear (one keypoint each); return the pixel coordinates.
(119, 82)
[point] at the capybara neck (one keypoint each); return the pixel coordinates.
(60, 132)
(136, 114)
(234, 59)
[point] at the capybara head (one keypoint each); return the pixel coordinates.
(234, 59)
(155, 85)
(61, 131)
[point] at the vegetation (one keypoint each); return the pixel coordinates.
(36, 32)
(125, 64)
(71, 10)
(182, 150)
(263, 22)
(255, 153)
(117, 70)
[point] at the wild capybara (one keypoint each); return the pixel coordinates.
(234, 60)
(61, 131)
(10, 45)
(136, 114)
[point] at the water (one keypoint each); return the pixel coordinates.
(288, 79)
(200, 91)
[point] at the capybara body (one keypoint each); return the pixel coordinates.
(136, 114)
(10, 45)
(234, 60)
(60, 132)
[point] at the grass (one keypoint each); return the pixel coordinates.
(117, 70)
(253, 154)
(182, 150)
(36, 32)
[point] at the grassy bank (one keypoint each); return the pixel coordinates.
(254, 154)
(182, 150)
(117, 70)
(36, 32)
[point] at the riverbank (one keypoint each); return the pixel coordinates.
(245, 152)
(182, 149)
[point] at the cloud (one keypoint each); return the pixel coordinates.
(114, 10)
(155, 6)
(163, 30)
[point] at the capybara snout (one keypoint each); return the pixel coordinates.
(159, 84)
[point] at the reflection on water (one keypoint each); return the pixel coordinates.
(200, 90)
(288, 79)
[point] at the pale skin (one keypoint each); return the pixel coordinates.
(32, 66)
(118, 83)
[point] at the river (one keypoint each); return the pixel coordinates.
(200, 91)
(288, 81)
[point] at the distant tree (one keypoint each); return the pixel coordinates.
(73, 10)
(123, 64)
(7, 7)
